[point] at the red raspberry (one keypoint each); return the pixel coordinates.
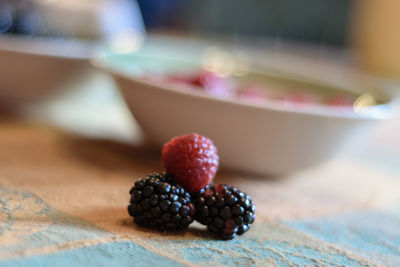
(192, 160)
(255, 94)
(340, 101)
(298, 99)
(208, 82)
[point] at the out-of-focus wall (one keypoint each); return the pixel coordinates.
(376, 36)
(307, 20)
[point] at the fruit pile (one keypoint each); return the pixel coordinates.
(174, 199)
(256, 92)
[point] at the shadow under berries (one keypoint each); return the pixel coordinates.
(190, 233)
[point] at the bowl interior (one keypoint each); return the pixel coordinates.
(148, 62)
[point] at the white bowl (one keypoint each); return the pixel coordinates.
(266, 139)
(32, 68)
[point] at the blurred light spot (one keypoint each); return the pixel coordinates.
(224, 63)
(220, 62)
(127, 41)
(5, 20)
(363, 102)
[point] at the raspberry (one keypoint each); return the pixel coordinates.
(340, 101)
(299, 99)
(157, 202)
(225, 210)
(255, 94)
(192, 160)
(208, 82)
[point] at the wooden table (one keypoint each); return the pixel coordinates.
(66, 167)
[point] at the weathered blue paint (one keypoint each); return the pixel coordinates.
(121, 254)
(374, 236)
(47, 226)
(244, 251)
(370, 234)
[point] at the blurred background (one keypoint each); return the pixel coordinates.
(52, 43)
(366, 27)
(304, 21)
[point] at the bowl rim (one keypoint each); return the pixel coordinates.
(49, 46)
(373, 113)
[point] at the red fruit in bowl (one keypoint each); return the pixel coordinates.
(192, 160)
(206, 81)
(179, 79)
(299, 99)
(255, 94)
(212, 84)
(340, 101)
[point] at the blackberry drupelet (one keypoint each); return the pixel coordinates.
(159, 203)
(225, 210)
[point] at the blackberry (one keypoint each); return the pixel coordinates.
(159, 203)
(225, 210)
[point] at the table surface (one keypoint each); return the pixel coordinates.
(65, 173)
